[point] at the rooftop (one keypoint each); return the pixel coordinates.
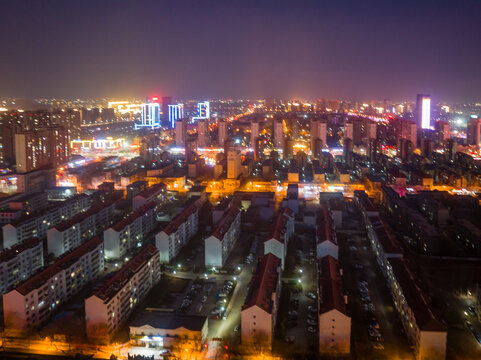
(111, 286)
(82, 216)
(325, 227)
(136, 214)
(263, 283)
(225, 223)
(9, 254)
(331, 295)
(169, 321)
(279, 227)
(425, 319)
(43, 275)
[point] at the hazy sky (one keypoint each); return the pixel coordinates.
(348, 49)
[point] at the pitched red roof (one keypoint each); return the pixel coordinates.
(331, 295)
(111, 286)
(325, 227)
(152, 190)
(279, 226)
(80, 217)
(263, 283)
(131, 218)
(9, 254)
(181, 217)
(225, 223)
(41, 277)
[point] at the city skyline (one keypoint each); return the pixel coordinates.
(311, 50)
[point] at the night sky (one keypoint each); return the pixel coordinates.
(349, 49)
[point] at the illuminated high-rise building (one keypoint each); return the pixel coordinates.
(423, 111)
(254, 132)
(180, 132)
(278, 134)
(318, 131)
(203, 132)
(442, 131)
(176, 112)
(234, 166)
(150, 116)
(203, 111)
(222, 136)
(36, 149)
(166, 101)
(349, 130)
(371, 130)
(474, 132)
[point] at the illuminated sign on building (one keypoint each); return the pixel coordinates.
(98, 144)
(150, 116)
(426, 113)
(203, 111)
(176, 112)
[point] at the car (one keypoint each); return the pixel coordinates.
(469, 325)
(292, 313)
(224, 317)
(237, 328)
(369, 307)
(311, 322)
(204, 299)
(472, 310)
(290, 339)
(375, 325)
(312, 308)
(377, 346)
(358, 266)
(311, 316)
(311, 295)
(215, 317)
(311, 329)
(374, 333)
(352, 248)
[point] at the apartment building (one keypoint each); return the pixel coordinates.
(220, 243)
(71, 233)
(112, 303)
(19, 262)
(129, 232)
(33, 301)
(259, 312)
(334, 320)
(281, 231)
(36, 224)
(157, 193)
(180, 230)
(326, 235)
(426, 333)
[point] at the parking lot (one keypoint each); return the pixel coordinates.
(377, 331)
(297, 332)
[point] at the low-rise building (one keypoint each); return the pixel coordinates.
(326, 236)
(180, 230)
(157, 194)
(281, 231)
(33, 301)
(129, 232)
(426, 333)
(334, 320)
(259, 313)
(71, 233)
(20, 262)
(112, 303)
(220, 243)
(163, 329)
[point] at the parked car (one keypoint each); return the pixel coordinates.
(311, 329)
(312, 308)
(311, 295)
(311, 322)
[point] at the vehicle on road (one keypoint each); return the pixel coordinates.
(237, 328)
(312, 308)
(311, 329)
(311, 322)
(311, 295)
